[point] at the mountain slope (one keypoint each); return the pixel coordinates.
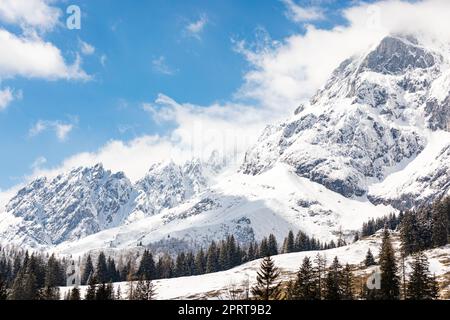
(250, 207)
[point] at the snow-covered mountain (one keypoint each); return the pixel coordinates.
(374, 138)
(375, 115)
(86, 201)
(168, 185)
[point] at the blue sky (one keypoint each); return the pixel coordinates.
(185, 50)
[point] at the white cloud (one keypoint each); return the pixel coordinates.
(86, 48)
(134, 157)
(7, 95)
(32, 57)
(103, 60)
(282, 75)
(194, 29)
(38, 163)
(61, 129)
(289, 72)
(29, 13)
(299, 14)
(160, 65)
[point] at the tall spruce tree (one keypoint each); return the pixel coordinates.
(180, 265)
(440, 224)
(347, 283)
(75, 294)
(390, 282)
(147, 267)
(306, 286)
(289, 243)
(88, 270)
(145, 290)
(3, 289)
(409, 233)
(101, 274)
(370, 260)
(421, 285)
(200, 262)
(91, 289)
(264, 248)
(321, 264)
(272, 245)
(333, 281)
(212, 261)
(267, 287)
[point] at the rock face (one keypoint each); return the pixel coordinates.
(374, 114)
(89, 200)
(73, 205)
(166, 186)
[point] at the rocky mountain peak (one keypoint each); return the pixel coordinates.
(371, 115)
(397, 54)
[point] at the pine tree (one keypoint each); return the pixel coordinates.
(251, 252)
(212, 262)
(301, 242)
(92, 289)
(165, 267)
(267, 287)
(104, 292)
(347, 283)
(118, 293)
(289, 243)
(305, 287)
(145, 290)
(113, 275)
(52, 280)
(264, 248)
(130, 284)
(421, 285)
(390, 282)
(25, 285)
(102, 269)
(3, 289)
(147, 266)
(321, 264)
(75, 294)
(333, 281)
(49, 293)
(200, 262)
(409, 233)
(272, 245)
(440, 224)
(180, 265)
(370, 260)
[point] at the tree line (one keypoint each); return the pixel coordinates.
(317, 281)
(25, 277)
